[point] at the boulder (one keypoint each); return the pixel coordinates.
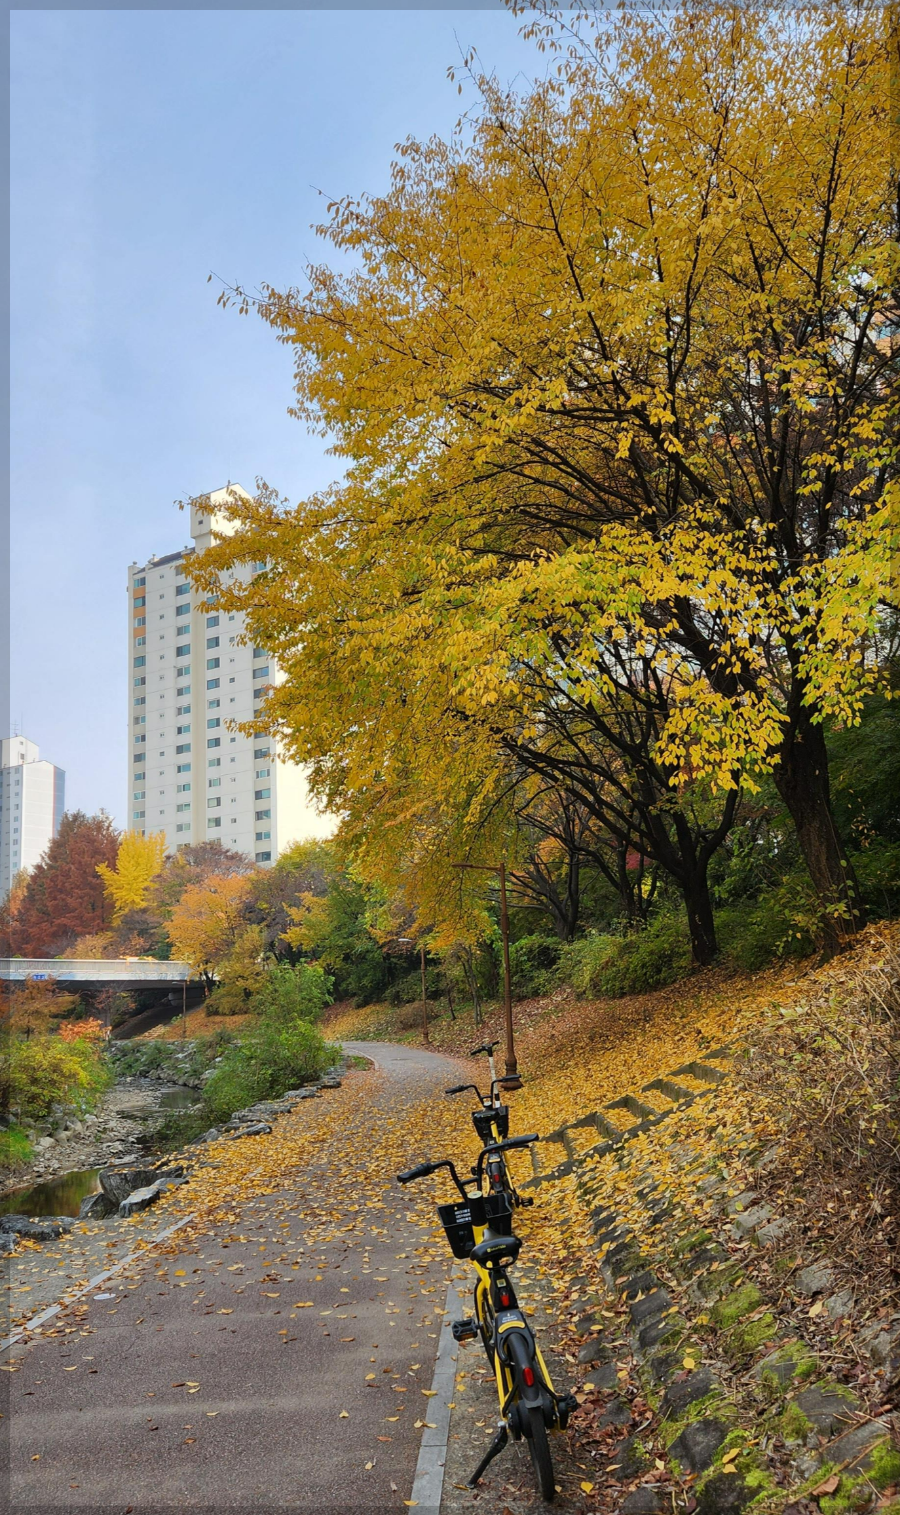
(593, 1351)
(814, 1279)
(118, 1183)
(45, 1229)
(644, 1501)
(656, 1303)
(140, 1199)
(96, 1207)
(257, 1128)
(828, 1407)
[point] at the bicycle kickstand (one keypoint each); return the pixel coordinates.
(494, 1450)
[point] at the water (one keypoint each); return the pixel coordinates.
(59, 1196)
(179, 1099)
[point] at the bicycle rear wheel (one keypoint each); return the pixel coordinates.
(539, 1447)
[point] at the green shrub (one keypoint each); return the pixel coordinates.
(782, 923)
(531, 963)
(291, 994)
(38, 1071)
(281, 1050)
(616, 965)
(15, 1148)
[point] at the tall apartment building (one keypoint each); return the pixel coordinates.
(190, 775)
(32, 801)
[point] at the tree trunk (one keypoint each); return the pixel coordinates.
(801, 779)
(701, 922)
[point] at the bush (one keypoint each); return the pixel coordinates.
(292, 994)
(781, 923)
(15, 1148)
(263, 1065)
(531, 961)
(39, 1071)
(617, 965)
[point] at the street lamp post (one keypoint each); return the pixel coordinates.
(512, 1066)
(424, 997)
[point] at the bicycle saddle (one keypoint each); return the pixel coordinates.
(496, 1249)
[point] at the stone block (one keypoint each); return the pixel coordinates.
(840, 1304)
(828, 1408)
(814, 1279)
(617, 1413)
(723, 1494)
(741, 1202)
(628, 1459)
(784, 1363)
(775, 1231)
(659, 1330)
(593, 1351)
(682, 1392)
(642, 1310)
(639, 1283)
(604, 1376)
(698, 1444)
(48, 1228)
(641, 1502)
(750, 1220)
(855, 1447)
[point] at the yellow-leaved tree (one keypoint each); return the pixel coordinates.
(208, 920)
(138, 861)
(613, 380)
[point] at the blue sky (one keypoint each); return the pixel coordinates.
(148, 149)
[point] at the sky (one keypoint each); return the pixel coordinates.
(150, 149)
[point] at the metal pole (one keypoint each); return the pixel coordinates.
(183, 1009)
(512, 1066)
(424, 997)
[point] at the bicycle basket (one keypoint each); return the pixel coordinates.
(483, 1121)
(456, 1220)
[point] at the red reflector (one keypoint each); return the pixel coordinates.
(504, 1299)
(528, 1375)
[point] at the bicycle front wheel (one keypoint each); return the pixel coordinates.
(539, 1447)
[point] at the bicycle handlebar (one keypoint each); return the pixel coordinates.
(461, 1089)
(487, 1047)
(410, 1175)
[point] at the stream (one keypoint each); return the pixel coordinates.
(63, 1193)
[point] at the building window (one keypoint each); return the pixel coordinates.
(213, 704)
(262, 794)
(140, 681)
(213, 723)
(185, 806)
(183, 673)
(140, 720)
(140, 641)
(141, 699)
(183, 747)
(214, 741)
(140, 620)
(185, 689)
(138, 815)
(139, 583)
(261, 673)
(211, 620)
(139, 662)
(182, 589)
(140, 777)
(183, 826)
(141, 599)
(212, 662)
(182, 788)
(263, 815)
(212, 683)
(214, 802)
(214, 783)
(212, 642)
(260, 652)
(183, 730)
(183, 768)
(139, 794)
(213, 820)
(139, 739)
(263, 836)
(182, 710)
(261, 752)
(181, 610)
(263, 773)
(184, 651)
(264, 857)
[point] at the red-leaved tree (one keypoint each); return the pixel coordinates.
(65, 898)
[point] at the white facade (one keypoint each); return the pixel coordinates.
(32, 801)
(190, 775)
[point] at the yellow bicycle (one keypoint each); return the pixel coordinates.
(480, 1230)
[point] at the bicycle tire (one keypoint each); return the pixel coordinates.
(542, 1462)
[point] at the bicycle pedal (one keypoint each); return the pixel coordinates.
(464, 1330)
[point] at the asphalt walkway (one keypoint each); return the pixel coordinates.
(271, 1364)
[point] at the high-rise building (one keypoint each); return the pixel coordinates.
(191, 675)
(32, 801)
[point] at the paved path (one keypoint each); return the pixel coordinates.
(276, 1364)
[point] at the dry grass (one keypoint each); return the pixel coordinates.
(196, 1023)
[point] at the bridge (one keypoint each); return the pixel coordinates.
(97, 973)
